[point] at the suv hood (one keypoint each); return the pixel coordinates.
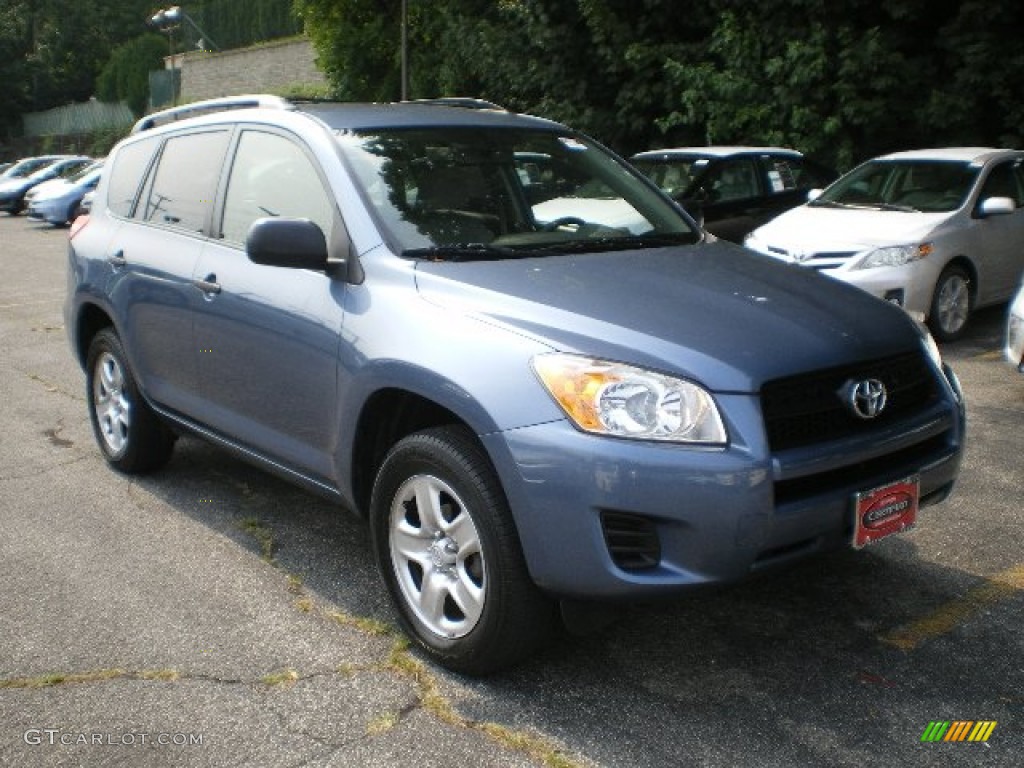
(811, 229)
(715, 313)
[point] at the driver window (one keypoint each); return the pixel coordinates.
(732, 180)
(1003, 182)
(272, 176)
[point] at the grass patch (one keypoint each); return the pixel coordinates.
(382, 724)
(255, 528)
(61, 678)
(284, 677)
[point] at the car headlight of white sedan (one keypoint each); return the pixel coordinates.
(895, 255)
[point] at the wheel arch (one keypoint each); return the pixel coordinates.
(90, 320)
(965, 263)
(387, 416)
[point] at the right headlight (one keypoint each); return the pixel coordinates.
(621, 400)
(895, 255)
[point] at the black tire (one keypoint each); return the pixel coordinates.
(456, 572)
(131, 436)
(952, 303)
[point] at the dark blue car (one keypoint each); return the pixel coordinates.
(534, 401)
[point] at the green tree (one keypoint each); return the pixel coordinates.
(841, 79)
(125, 77)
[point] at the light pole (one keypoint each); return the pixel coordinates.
(405, 50)
(167, 21)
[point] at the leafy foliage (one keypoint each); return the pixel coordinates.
(840, 79)
(126, 75)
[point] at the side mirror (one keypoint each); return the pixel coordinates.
(283, 242)
(814, 194)
(996, 206)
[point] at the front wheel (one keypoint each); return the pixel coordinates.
(450, 556)
(951, 304)
(130, 435)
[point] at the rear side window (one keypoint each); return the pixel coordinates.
(785, 173)
(129, 167)
(182, 190)
(272, 176)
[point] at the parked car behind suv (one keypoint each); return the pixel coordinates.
(33, 172)
(57, 201)
(734, 189)
(937, 231)
(1014, 348)
(361, 299)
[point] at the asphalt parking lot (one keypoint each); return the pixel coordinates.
(211, 615)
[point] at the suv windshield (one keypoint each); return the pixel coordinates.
(931, 186)
(497, 193)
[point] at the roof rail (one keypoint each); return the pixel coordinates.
(210, 106)
(466, 102)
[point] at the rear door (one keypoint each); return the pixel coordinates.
(154, 252)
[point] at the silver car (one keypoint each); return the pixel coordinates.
(58, 201)
(936, 231)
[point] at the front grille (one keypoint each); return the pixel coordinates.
(632, 540)
(810, 408)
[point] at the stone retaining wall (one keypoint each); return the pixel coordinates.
(269, 67)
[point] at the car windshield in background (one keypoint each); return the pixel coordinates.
(928, 186)
(454, 193)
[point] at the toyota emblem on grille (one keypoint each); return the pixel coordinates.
(866, 398)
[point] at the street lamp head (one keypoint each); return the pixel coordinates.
(167, 17)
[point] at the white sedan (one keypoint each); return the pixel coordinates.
(939, 232)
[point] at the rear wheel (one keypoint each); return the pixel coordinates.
(951, 304)
(131, 436)
(450, 555)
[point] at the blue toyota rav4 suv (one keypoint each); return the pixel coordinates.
(525, 365)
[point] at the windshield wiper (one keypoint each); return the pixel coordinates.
(618, 243)
(462, 252)
(894, 207)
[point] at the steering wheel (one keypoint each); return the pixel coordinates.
(551, 226)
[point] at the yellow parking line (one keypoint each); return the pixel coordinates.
(991, 355)
(947, 617)
(55, 300)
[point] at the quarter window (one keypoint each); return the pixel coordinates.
(272, 176)
(126, 175)
(182, 191)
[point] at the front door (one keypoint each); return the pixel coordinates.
(268, 337)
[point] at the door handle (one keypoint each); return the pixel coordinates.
(208, 285)
(117, 260)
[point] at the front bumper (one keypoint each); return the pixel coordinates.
(702, 516)
(910, 285)
(52, 212)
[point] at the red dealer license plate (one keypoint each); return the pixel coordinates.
(885, 511)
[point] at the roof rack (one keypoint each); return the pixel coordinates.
(209, 107)
(466, 102)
